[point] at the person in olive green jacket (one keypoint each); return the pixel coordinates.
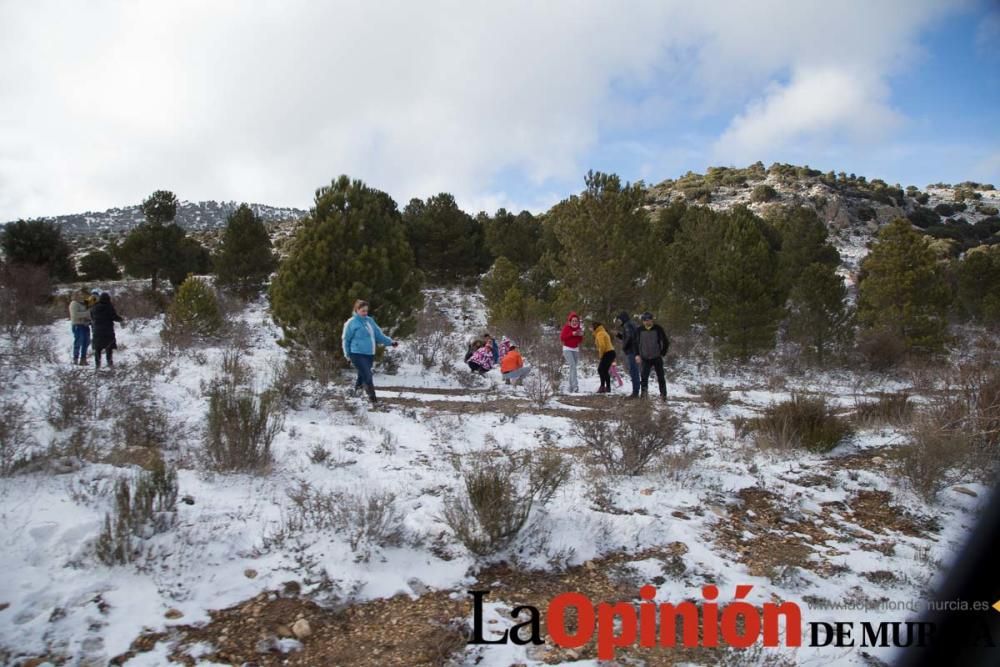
(606, 353)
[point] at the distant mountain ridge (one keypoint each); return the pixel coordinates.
(205, 216)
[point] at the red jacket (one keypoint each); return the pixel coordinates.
(571, 336)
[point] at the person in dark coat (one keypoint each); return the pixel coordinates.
(653, 344)
(103, 317)
(629, 336)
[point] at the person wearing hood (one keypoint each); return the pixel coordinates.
(494, 348)
(360, 337)
(629, 337)
(79, 318)
(103, 316)
(606, 354)
(653, 345)
(481, 360)
(571, 337)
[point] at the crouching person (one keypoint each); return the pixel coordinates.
(512, 365)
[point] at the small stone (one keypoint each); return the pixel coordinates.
(283, 631)
(173, 613)
(4, 605)
(188, 500)
(250, 573)
(878, 460)
(301, 629)
(968, 492)
(291, 588)
(590, 565)
(647, 492)
(679, 514)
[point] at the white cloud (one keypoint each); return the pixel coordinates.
(105, 101)
(817, 104)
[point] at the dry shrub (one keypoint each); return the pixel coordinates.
(881, 349)
(500, 489)
(141, 422)
(72, 398)
(288, 378)
(627, 442)
(804, 422)
(894, 409)
(24, 293)
(144, 506)
(368, 519)
(136, 305)
(432, 330)
(935, 455)
(714, 395)
(242, 423)
(16, 438)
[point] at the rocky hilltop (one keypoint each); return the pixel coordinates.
(962, 215)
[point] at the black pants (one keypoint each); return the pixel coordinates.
(476, 368)
(604, 369)
(107, 352)
(648, 365)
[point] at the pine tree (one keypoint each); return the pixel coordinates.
(902, 289)
(245, 260)
(802, 240)
(978, 283)
(194, 311)
(160, 207)
(351, 245)
(157, 249)
(743, 294)
(99, 265)
(37, 243)
(516, 237)
(447, 242)
(603, 236)
(818, 315)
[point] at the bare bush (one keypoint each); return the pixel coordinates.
(144, 506)
(241, 427)
(499, 494)
(804, 422)
(881, 349)
(137, 306)
(141, 423)
(72, 398)
(714, 395)
(368, 519)
(24, 291)
(934, 457)
(16, 438)
(894, 409)
(432, 330)
(288, 378)
(626, 443)
(542, 383)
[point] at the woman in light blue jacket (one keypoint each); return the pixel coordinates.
(360, 337)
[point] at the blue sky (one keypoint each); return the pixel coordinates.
(501, 104)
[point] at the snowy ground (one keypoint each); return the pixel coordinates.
(233, 542)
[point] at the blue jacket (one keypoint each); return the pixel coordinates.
(361, 334)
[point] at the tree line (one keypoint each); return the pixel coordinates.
(747, 281)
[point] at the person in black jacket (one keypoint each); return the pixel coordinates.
(629, 336)
(653, 344)
(103, 317)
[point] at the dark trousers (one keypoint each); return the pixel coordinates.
(81, 341)
(648, 365)
(633, 373)
(476, 368)
(108, 353)
(604, 369)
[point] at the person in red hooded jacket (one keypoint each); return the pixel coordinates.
(571, 337)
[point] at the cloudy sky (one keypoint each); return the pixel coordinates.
(500, 103)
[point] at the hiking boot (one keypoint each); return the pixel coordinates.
(370, 390)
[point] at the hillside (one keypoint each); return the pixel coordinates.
(204, 216)
(853, 207)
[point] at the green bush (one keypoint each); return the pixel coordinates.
(944, 210)
(923, 217)
(983, 209)
(37, 243)
(99, 265)
(763, 193)
(194, 313)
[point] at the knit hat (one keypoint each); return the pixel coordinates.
(647, 315)
(95, 292)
